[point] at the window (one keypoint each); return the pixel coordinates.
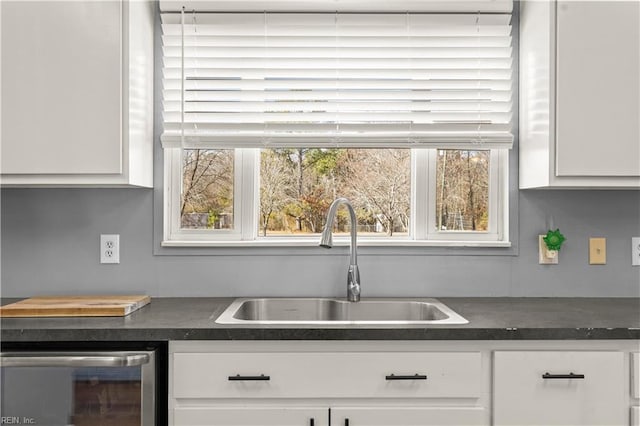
(297, 187)
(268, 117)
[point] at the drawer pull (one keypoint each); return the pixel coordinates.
(562, 376)
(238, 377)
(312, 422)
(346, 422)
(414, 377)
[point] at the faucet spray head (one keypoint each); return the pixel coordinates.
(326, 240)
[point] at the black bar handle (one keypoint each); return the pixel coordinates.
(563, 376)
(346, 422)
(414, 377)
(238, 377)
(312, 422)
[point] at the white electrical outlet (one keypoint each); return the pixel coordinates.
(109, 248)
(635, 251)
(546, 256)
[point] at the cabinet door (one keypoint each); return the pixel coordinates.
(531, 388)
(635, 416)
(598, 88)
(61, 87)
(408, 416)
(251, 416)
(635, 375)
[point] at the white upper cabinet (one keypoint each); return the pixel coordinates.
(77, 93)
(580, 94)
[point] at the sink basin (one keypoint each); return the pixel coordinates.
(320, 311)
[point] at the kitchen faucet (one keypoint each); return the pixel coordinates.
(326, 241)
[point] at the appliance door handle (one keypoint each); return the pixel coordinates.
(563, 376)
(73, 360)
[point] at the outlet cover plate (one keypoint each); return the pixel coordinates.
(109, 248)
(546, 256)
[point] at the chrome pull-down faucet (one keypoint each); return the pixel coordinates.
(326, 241)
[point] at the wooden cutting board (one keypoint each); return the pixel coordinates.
(74, 306)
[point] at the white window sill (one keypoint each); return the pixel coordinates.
(309, 242)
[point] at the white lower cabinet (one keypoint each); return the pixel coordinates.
(635, 389)
(409, 416)
(559, 388)
(404, 383)
(251, 416)
(326, 383)
(635, 375)
(343, 416)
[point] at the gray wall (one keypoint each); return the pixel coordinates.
(50, 246)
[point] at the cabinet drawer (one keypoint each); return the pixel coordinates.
(326, 375)
(536, 388)
(635, 374)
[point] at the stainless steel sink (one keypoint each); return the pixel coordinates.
(319, 311)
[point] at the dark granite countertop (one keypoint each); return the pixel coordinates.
(489, 319)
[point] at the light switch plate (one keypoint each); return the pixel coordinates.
(597, 251)
(635, 251)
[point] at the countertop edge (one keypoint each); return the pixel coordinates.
(485, 334)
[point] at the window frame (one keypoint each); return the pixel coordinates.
(422, 226)
(509, 246)
(497, 203)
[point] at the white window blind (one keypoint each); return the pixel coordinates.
(237, 80)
